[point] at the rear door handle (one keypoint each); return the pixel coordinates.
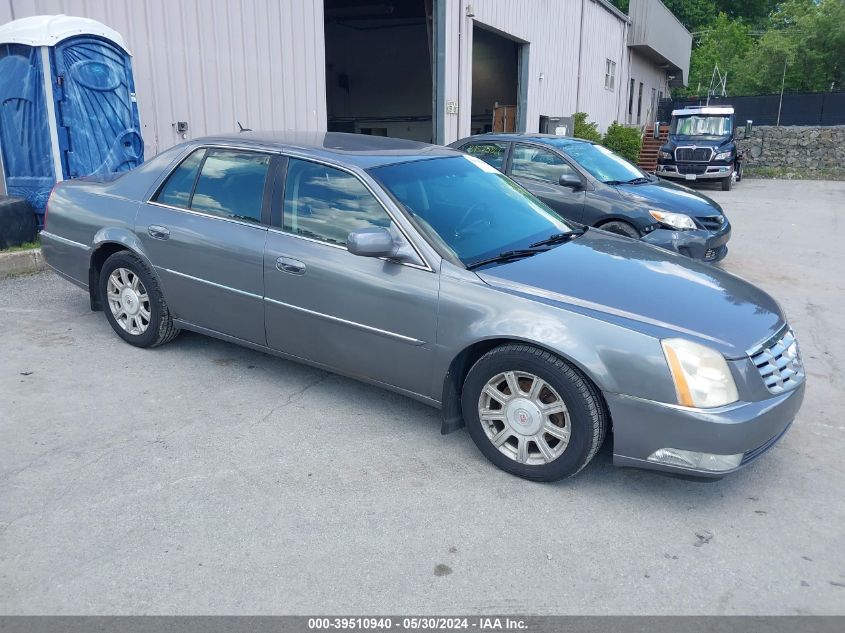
(158, 232)
(290, 266)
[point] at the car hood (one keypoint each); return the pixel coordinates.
(645, 288)
(668, 196)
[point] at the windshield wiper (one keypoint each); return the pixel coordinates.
(506, 256)
(559, 238)
(634, 181)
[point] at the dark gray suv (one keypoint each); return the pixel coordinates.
(587, 183)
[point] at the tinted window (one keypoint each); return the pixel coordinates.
(231, 184)
(468, 207)
(531, 162)
(490, 153)
(327, 204)
(177, 190)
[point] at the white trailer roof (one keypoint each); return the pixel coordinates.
(703, 110)
(49, 30)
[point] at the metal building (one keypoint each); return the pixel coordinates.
(433, 70)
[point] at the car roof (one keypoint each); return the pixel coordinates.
(548, 139)
(361, 150)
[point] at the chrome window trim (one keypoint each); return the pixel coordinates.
(289, 153)
(355, 324)
(211, 283)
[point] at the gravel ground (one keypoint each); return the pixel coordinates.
(205, 478)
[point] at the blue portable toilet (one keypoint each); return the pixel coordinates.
(67, 104)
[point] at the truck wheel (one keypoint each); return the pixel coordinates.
(532, 414)
(727, 183)
(133, 302)
(739, 172)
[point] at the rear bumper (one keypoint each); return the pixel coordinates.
(641, 427)
(697, 244)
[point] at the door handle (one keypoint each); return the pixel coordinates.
(290, 266)
(158, 232)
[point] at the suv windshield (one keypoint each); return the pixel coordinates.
(695, 125)
(468, 207)
(603, 164)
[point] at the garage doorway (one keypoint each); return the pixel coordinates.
(497, 63)
(379, 60)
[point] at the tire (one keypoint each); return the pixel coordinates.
(727, 183)
(739, 172)
(138, 321)
(579, 429)
(621, 228)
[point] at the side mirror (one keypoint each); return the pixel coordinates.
(568, 179)
(371, 242)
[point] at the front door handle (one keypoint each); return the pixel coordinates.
(158, 232)
(290, 266)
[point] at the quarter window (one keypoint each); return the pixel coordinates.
(540, 164)
(491, 153)
(231, 184)
(326, 204)
(177, 190)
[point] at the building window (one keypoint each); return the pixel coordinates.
(609, 74)
(639, 103)
(631, 102)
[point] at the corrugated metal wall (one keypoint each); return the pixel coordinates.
(212, 62)
(551, 29)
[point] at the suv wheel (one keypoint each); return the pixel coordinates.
(133, 302)
(532, 414)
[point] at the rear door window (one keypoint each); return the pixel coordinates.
(231, 184)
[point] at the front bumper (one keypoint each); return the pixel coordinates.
(697, 243)
(641, 427)
(694, 171)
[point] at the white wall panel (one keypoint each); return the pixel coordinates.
(212, 62)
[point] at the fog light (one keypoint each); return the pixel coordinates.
(693, 459)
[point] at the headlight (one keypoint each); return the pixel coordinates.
(723, 156)
(701, 375)
(666, 155)
(674, 220)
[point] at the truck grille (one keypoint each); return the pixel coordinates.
(697, 155)
(712, 222)
(779, 362)
(692, 169)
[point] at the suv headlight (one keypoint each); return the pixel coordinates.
(666, 155)
(673, 220)
(723, 156)
(701, 375)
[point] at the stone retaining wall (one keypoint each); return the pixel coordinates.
(804, 149)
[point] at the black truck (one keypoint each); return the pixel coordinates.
(701, 146)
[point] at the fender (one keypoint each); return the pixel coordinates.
(107, 241)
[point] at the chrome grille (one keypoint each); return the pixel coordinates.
(694, 154)
(779, 363)
(711, 222)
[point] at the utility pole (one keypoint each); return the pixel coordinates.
(782, 82)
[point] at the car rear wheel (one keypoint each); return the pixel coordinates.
(620, 228)
(133, 302)
(532, 414)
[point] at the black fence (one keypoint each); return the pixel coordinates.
(798, 108)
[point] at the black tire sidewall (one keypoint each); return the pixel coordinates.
(577, 453)
(618, 227)
(133, 263)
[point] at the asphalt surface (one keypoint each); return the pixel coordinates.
(203, 478)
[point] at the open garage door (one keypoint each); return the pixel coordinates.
(379, 67)
(496, 63)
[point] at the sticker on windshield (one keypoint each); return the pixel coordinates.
(481, 164)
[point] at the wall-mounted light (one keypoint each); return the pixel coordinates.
(470, 12)
(542, 76)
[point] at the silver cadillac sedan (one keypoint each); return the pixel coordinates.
(430, 273)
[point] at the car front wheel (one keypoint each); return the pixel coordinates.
(133, 302)
(532, 414)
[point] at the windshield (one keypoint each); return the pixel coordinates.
(701, 125)
(602, 163)
(468, 207)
